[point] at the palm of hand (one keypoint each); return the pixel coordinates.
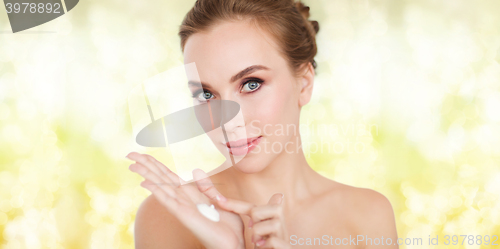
(228, 231)
(181, 200)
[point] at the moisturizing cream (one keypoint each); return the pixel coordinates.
(209, 212)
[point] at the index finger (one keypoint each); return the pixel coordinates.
(205, 185)
(237, 206)
(155, 166)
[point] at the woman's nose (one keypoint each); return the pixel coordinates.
(231, 115)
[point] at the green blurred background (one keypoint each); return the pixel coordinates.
(410, 91)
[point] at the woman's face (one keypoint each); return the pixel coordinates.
(240, 62)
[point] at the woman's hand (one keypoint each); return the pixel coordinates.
(267, 221)
(181, 199)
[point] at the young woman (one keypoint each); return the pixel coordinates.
(260, 54)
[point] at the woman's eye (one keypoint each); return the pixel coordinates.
(250, 86)
(203, 96)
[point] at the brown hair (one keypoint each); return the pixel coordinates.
(286, 20)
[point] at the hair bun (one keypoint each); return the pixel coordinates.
(304, 11)
(315, 25)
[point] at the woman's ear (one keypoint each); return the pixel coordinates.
(307, 80)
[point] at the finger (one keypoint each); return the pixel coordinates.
(193, 193)
(144, 160)
(174, 177)
(205, 185)
(270, 211)
(236, 206)
(261, 213)
(151, 165)
(147, 174)
(167, 199)
(266, 228)
(272, 242)
(147, 184)
(276, 199)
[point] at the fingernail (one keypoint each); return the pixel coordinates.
(250, 223)
(260, 242)
(221, 198)
(144, 185)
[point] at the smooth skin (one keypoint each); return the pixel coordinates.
(270, 195)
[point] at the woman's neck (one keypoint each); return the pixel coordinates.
(288, 173)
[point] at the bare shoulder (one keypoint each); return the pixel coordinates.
(369, 211)
(363, 200)
(155, 227)
(371, 205)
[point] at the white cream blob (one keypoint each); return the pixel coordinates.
(209, 212)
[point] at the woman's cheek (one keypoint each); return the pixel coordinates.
(268, 109)
(273, 103)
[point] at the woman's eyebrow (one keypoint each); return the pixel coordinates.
(236, 77)
(248, 70)
(197, 84)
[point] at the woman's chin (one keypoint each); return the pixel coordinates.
(248, 169)
(250, 165)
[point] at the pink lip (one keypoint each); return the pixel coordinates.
(243, 146)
